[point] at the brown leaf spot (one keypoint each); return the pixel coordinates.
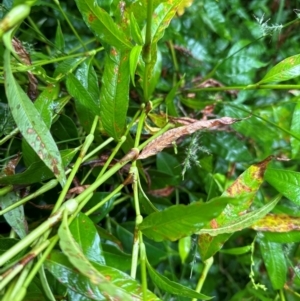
(91, 17)
(55, 170)
(113, 52)
(30, 131)
(214, 224)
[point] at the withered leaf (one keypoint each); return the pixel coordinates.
(24, 56)
(166, 139)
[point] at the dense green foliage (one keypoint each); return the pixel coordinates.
(149, 150)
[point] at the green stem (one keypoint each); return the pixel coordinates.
(140, 129)
(207, 265)
(97, 149)
(147, 50)
(143, 267)
(37, 266)
(266, 120)
(48, 186)
(159, 133)
(282, 297)
(106, 199)
(112, 155)
(88, 141)
(9, 136)
(249, 87)
(175, 62)
(33, 235)
(5, 190)
(129, 157)
(138, 220)
(70, 24)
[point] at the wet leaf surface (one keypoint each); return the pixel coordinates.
(31, 125)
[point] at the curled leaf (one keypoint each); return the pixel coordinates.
(166, 139)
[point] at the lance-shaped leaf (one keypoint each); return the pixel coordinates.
(275, 262)
(112, 283)
(85, 233)
(179, 221)
(285, 182)
(166, 139)
(114, 93)
(243, 221)
(162, 17)
(16, 217)
(37, 171)
(277, 223)
(245, 187)
(295, 128)
(61, 268)
(172, 287)
(75, 255)
(87, 107)
(102, 24)
(287, 69)
(31, 125)
(79, 92)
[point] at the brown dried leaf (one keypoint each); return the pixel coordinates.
(24, 56)
(10, 167)
(166, 139)
(163, 192)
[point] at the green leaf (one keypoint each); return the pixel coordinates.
(87, 237)
(184, 248)
(101, 23)
(87, 104)
(287, 69)
(31, 125)
(64, 128)
(170, 98)
(275, 262)
(100, 213)
(114, 93)
(162, 17)
(179, 221)
(283, 238)
(38, 171)
(286, 182)
(243, 221)
(59, 265)
(82, 95)
(46, 105)
(214, 18)
(7, 123)
(66, 67)
(236, 251)
(6, 243)
(135, 30)
(133, 61)
(59, 38)
(156, 252)
(75, 255)
(172, 287)
(115, 258)
(295, 127)
(16, 217)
